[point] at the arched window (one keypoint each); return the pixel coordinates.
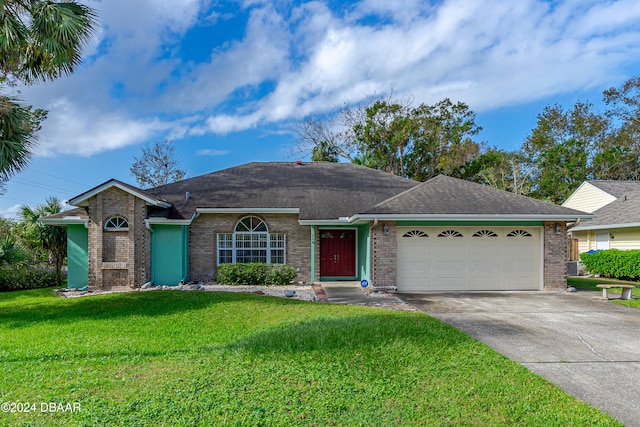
(415, 233)
(251, 242)
(519, 233)
(450, 233)
(484, 233)
(116, 223)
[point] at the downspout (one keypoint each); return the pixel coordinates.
(185, 252)
(313, 254)
(147, 224)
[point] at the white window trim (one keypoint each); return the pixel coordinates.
(116, 227)
(272, 241)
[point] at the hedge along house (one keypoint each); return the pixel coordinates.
(330, 221)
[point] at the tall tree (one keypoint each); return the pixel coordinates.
(389, 134)
(442, 137)
(52, 239)
(324, 152)
(158, 165)
(619, 156)
(40, 40)
(384, 136)
(562, 147)
(504, 170)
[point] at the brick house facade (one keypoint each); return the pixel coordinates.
(329, 221)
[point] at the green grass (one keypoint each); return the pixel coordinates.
(200, 358)
(589, 284)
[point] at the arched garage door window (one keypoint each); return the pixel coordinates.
(251, 241)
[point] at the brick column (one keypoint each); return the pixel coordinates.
(555, 257)
(95, 241)
(383, 254)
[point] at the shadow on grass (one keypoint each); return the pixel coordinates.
(122, 305)
(362, 331)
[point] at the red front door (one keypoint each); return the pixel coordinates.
(338, 253)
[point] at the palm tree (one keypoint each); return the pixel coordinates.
(52, 239)
(40, 40)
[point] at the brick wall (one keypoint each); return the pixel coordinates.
(384, 252)
(555, 257)
(130, 249)
(203, 238)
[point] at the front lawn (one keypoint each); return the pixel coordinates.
(589, 284)
(198, 358)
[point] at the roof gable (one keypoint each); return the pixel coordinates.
(446, 196)
(588, 198)
(83, 199)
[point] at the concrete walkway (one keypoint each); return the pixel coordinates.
(586, 345)
(351, 293)
(345, 293)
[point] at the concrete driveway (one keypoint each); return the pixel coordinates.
(584, 344)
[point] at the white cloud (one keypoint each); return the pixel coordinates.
(212, 152)
(295, 60)
(11, 212)
(488, 55)
(72, 129)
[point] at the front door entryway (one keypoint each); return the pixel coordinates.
(338, 253)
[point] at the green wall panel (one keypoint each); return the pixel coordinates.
(169, 254)
(364, 252)
(77, 256)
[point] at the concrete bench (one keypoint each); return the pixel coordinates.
(626, 290)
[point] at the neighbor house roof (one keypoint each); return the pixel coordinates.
(450, 197)
(622, 213)
(317, 190)
(616, 188)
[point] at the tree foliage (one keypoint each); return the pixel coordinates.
(391, 135)
(40, 40)
(566, 147)
(562, 148)
(158, 165)
(50, 239)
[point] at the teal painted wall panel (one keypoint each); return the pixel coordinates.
(77, 256)
(169, 254)
(364, 252)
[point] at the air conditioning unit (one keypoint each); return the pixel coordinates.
(573, 268)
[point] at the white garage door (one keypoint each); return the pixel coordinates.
(436, 259)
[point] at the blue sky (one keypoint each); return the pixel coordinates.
(220, 78)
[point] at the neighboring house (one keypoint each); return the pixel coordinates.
(616, 206)
(331, 221)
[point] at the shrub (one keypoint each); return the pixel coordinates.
(18, 277)
(613, 263)
(255, 274)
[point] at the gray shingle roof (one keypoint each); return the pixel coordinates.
(616, 188)
(321, 190)
(624, 210)
(75, 212)
(443, 195)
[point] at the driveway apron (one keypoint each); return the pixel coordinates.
(586, 345)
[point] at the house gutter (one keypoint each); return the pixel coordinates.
(248, 210)
(465, 217)
(604, 227)
(67, 220)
